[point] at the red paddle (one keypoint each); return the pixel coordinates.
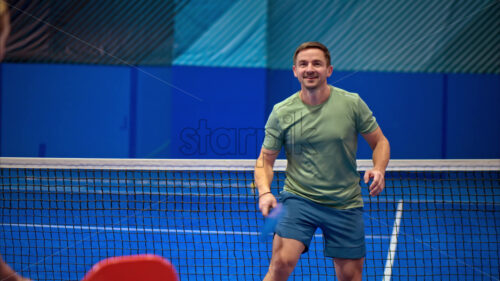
(132, 268)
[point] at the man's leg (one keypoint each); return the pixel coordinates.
(349, 269)
(286, 254)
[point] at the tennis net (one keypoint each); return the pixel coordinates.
(436, 220)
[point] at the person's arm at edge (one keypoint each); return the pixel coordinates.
(381, 154)
(263, 178)
(4, 27)
(8, 274)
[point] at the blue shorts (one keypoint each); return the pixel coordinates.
(343, 230)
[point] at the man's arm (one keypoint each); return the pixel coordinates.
(381, 153)
(263, 179)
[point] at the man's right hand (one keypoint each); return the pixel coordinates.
(266, 203)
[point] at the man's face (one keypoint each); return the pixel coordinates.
(311, 68)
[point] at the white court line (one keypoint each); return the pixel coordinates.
(153, 230)
(394, 243)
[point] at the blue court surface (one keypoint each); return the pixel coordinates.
(56, 226)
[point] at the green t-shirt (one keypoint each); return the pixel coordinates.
(320, 144)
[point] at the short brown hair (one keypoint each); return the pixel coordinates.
(312, 45)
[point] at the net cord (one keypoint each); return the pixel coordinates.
(233, 165)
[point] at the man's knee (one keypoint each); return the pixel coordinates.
(282, 265)
(283, 261)
(349, 270)
(349, 276)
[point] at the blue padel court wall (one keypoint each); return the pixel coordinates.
(52, 110)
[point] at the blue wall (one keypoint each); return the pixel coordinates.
(473, 116)
(65, 110)
(152, 131)
(202, 112)
(219, 113)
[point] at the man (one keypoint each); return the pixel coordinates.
(318, 126)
